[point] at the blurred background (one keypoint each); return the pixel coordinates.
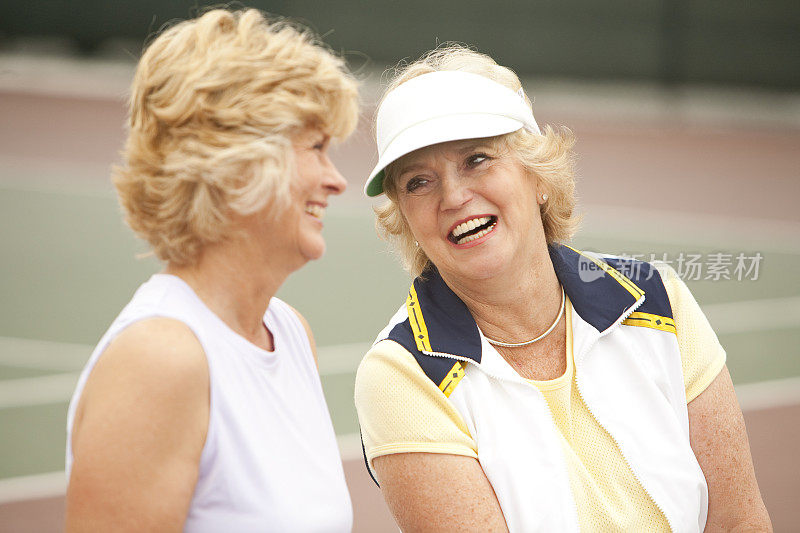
(687, 115)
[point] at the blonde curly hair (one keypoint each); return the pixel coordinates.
(549, 156)
(215, 103)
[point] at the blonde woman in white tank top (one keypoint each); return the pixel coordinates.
(201, 408)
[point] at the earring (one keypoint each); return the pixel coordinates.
(416, 243)
(544, 197)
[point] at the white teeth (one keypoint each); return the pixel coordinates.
(478, 235)
(315, 210)
(469, 225)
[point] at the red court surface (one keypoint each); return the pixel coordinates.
(774, 437)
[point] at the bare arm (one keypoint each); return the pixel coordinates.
(139, 432)
(719, 441)
(438, 492)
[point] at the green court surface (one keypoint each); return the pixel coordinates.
(69, 266)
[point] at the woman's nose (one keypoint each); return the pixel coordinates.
(455, 191)
(334, 181)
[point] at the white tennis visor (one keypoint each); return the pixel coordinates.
(444, 106)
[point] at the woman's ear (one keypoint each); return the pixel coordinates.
(542, 198)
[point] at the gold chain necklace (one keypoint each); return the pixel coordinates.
(540, 337)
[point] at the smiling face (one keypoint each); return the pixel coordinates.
(316, 179)
(289, 235)
(472, 207)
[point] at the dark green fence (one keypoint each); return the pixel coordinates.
(672, 41)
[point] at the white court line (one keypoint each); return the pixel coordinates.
(350, 446)
(43, 355)
(64, 356)
(341, 358)
(754, 315)
(739, 233)
(726, 318)
(719, 232)
(91, 78)
(769, 394)
(43, 180)
(17, 489)
(109, 79)
(752, 397)
(54, 484)
(26, 392)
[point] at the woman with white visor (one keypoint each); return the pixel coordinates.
(525, 385)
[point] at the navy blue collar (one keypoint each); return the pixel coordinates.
(442, 324)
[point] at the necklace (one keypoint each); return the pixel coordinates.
(540, 337)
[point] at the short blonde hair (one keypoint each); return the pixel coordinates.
(215, 103)
(549, 156)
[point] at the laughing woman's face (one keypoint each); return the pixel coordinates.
(472, 207)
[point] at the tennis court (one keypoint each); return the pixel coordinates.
(648, 188)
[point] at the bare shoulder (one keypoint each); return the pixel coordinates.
(156, 360)
(303, 321)
(309, 333)
(164, 350)
(144, 410)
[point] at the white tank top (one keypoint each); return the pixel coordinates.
(270, 461)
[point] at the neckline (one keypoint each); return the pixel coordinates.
(266, 320)
(565, 378)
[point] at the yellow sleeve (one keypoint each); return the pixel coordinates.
(400, 410)
(702, 356)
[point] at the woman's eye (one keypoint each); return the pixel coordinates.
(322, 143)
(415, 183)
(476, 159)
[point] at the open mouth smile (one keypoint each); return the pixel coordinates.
(472, 229)
(315, 210)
